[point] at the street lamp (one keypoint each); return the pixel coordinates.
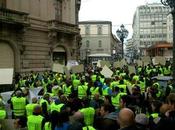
(122, 34)
(87, 54)
(171, 4)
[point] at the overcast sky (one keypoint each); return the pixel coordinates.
(117, 11)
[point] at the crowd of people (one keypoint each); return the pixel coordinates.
(90, 101)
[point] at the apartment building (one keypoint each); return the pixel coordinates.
(150, 25)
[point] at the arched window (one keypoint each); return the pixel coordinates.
(99, 29)
(2, 3)
(87, 29)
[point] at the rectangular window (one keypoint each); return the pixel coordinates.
(152, 22)
(87, 43)
(99, 43)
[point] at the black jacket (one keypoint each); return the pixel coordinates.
(167, 123)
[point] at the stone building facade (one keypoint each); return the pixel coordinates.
(98, 40)
(36, 33)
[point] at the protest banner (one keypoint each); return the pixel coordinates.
(6, 76)
(118, 64)
(139, 62)
(103, 63)
(159, 60)
(106, 72)
(131, 69)
(78, 69)
(58, 68)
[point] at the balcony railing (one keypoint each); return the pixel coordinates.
(63, 27)
(13, 17)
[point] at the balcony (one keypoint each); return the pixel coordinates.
(8, 16)
(63, 27)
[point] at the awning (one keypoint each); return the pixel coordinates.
(99, 55)
(59, 49)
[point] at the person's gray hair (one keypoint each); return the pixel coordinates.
(141, 119)
(18, 93)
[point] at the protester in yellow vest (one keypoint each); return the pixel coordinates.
(155, 115)
(82, 89)
(88, 112)
(36, 121)
(3, 113)
(66, 87)
(56, 106)
(116, 97)
(18, 104)
(45, 105)
(30, 107)
(167, 70)
(94, 90)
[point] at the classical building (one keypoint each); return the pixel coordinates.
(36, 33)
(98, 42)
(150, 25)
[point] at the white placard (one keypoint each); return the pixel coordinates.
(78, 69)
(118, 64)
(131, 69)
(139, 62)
(6, 75)
(6, 96)
(58, 68)
(106, 72)
(159, 60)
(32, 93)
(71, 63)
(146, 60)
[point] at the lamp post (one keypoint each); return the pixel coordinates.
(122, 33)
(171, 4)
(113, 54)
(87, 54)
